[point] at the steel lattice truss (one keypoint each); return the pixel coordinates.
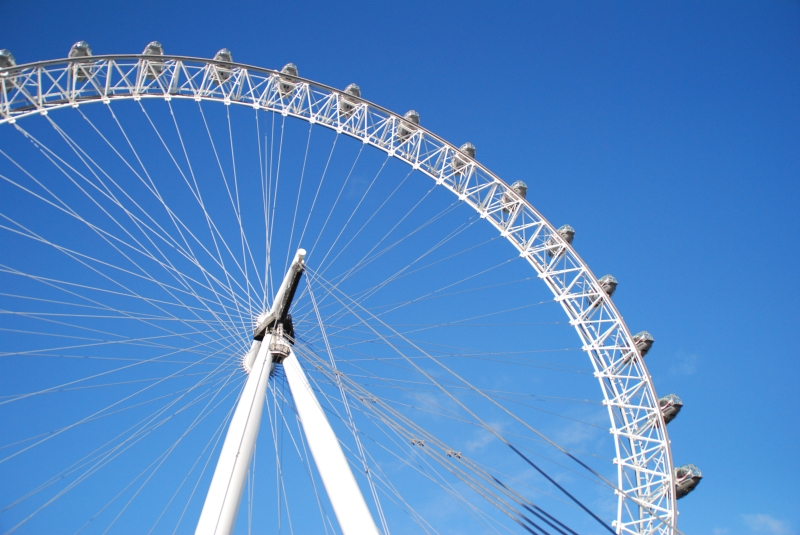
(645, 485)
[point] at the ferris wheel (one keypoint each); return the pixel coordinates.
(234, 299)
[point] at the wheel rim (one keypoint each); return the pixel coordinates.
(644, 475)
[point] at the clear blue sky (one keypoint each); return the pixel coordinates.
(666, 133)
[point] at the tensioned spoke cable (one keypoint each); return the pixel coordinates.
(112, 413)
(352, 425)
(335, 202)
(366, 258)
(195, 192)
(276, 442)
(319, 187)
(87, 459)
(391, 278)
(122, 368)
(475, 416)
(297, 202)
(166, 264)
(37, 238)
(139, 435)
(489, 428)
(482, 489)
(275, 195)
(242, 234)
(354, 211)
(224, 425)
(323, 514)
(90, 263)
(151, 186)
(158, 461)
(453, 322)
(204, 412)
(268, 215)
(506, 508)
(71, 213)
(374, 213)
(433, 295)
(264, 199)
(393, 384)
(233, 204)
(96, 413)
(214, 232)
(214, 438)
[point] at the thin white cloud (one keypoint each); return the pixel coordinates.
(683, 364)
(761, 523)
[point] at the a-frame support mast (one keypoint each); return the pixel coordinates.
(270, 347)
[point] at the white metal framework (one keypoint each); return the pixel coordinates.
(645, 483)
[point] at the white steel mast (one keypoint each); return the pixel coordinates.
(270, 347)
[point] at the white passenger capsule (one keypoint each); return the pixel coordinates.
(81, 49)
(670, 406)
(7, 60)
(609, 285)
(221, 73)
(520, 188)
(407, 126)
(81, 71)
(348, 105)
(459, 162)
(154, 68)
(288, 82)
(687, 477)
(643, 341)
(567, 233)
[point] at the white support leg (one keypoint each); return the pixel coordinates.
(225, 494)
(343, 491)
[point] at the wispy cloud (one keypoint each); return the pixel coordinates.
(684, 364)
(721, 531)
(761, 523)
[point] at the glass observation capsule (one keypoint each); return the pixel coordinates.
(520, 188)
(7, 60)
(81, 71)
(459, 162)
(567, 233)
(288, 84)
(348, 105)
(221, 73)
(406, 127)
(670, 406)
(644, 341)
(687, 477)
(154, 68)
(608, 283)
(81, 49)
(154, 48)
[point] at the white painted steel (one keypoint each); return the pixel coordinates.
(645, 479)
(250, 357)
(340, 484)
(225, 493)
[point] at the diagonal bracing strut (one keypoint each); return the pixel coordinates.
(272, 344)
